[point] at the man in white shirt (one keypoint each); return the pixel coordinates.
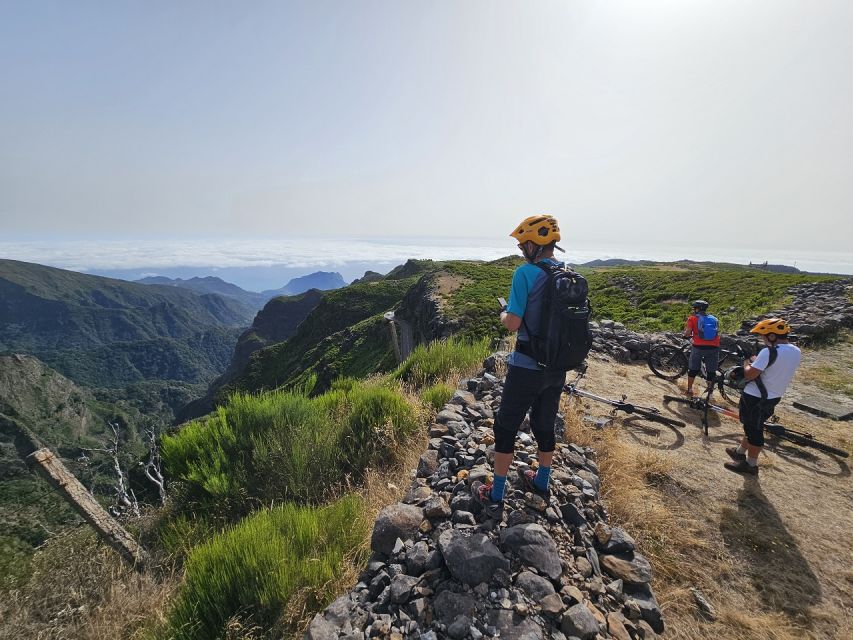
(769, 374)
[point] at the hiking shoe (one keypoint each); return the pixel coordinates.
(483, 493)
(742, 467)
(528, 481)
(734, 455)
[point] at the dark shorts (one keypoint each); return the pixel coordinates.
(699, 354)
(534, 390)
(753, 412)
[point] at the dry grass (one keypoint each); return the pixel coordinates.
(768, 573)
(81, 589)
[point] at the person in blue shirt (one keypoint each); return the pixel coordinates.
(528, 386)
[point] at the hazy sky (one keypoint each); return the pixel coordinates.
(652, 122)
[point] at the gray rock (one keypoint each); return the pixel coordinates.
(338, 612)
(448, 606)
(471, 560)
(579, 621)
(535, 547)
(458, 629)
(436, 507)
(512, 626)
(643, 598)
(534, 586)
(321, 629)
(417, 558)
(465, 398)
(401, 588)
(395, 521)
(428, 464)
(631, 568)
(618, 542)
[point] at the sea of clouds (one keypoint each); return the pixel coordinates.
(352, 257)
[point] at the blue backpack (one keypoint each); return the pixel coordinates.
(709, 327)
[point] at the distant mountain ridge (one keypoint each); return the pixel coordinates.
(319, 280)
(105, 333)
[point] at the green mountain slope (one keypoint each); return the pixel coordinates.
(105, 332)
(345, 334)
(67, 419)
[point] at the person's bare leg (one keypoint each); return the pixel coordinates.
(690, 380)
(502, 463)
(544, 457)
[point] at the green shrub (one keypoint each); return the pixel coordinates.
(253, 569)
(437, 395)
(286, 446)
(442, 359)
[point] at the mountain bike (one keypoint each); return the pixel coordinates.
(649, 413)
(771, 426)
(670, 361)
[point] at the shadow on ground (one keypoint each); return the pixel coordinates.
(771, 557)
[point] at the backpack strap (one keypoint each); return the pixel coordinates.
(758, 381)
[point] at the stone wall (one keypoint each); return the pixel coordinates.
(543, 568)
(817, 311)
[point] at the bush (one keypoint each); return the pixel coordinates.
(253, 569)
(286, 446)
(441, 360)
(437, 395)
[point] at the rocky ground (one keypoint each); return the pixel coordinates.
(442, 567)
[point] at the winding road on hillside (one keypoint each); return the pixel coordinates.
(401, 331)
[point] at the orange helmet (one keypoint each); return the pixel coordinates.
(539, 230)
(772, 325)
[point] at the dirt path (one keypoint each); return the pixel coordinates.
(774, 555)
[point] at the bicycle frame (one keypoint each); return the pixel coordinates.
(801, 438)
(623, 405)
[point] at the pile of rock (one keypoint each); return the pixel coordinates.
(818, 310)
(623, 345)
(442, 567)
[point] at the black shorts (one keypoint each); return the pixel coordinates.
(536, 391)
(753, 412)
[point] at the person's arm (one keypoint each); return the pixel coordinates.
(511, 321)
(688, 330)
(754, 367)
(511, 317)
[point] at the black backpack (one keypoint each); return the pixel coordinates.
(564, 338)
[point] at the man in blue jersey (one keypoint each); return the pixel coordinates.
(528, 386)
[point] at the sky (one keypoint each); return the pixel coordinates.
(657, 124)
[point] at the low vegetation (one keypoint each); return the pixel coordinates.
(252, 571)
(658, 298)
(440, 360)
(286, 446)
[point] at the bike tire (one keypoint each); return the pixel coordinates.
(730, 394)
(780, 432)
(657, 417)
(667, 361)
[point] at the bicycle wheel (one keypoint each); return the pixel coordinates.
(667, 362)
(657, 417)
(731, 394)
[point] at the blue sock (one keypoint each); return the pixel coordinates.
(498, 488)
(543, 475)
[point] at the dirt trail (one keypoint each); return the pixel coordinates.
(777, 553)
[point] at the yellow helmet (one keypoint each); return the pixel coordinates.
(771, 325)
(541, 230)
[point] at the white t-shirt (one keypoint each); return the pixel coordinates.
(777, 377)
